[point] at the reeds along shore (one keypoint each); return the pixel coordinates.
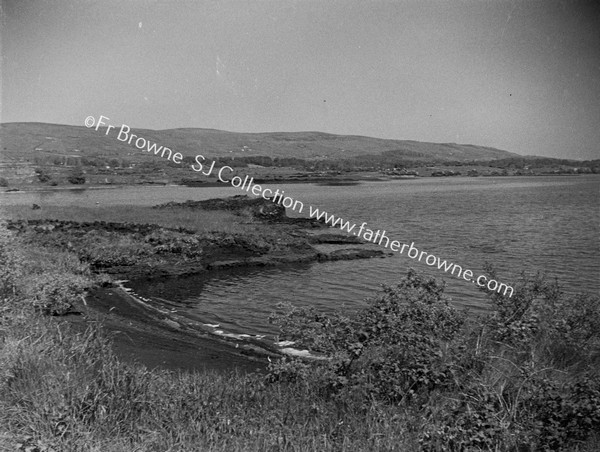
(410, 372)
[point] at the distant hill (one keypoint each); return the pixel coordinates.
(23, 141)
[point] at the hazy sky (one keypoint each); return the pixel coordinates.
(523, 76)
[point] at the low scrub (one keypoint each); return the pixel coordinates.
(525, 377)
(104, 245)
(50, 281)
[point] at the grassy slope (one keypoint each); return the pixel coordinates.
(63, 390)
(20, 139)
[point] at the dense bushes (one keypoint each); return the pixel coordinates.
(76, 176)
(394, 349)
(526, 377)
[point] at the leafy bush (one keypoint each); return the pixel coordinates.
(54, 280)
(469, 422)
(76, 177)
(524, 377)
(569, 332)
(564, 413)
(395, 348)
(42, 175)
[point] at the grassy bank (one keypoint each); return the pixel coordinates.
(61, 391)
(410, 372)
(134, 241)
(201, 221)
(66, 390)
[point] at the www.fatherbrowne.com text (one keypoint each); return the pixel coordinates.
(224, 173)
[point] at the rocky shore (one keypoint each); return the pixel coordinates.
(164, 252)
(148, 333)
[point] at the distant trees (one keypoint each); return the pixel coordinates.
(76, 177)
(42, 175)
(540, 162)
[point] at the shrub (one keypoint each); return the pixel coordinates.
(169, 242)
(76, 177)
(524, 377)
(569, 334)
(564, 413)
(42, 175)
(54, 293)
(48, 280)
(395, 348)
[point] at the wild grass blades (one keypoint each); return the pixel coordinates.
(67, 391)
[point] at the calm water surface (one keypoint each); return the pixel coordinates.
(548, 224)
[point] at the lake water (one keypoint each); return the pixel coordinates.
(547, 224)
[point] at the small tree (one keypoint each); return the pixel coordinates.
(42, 175)
(77, 176)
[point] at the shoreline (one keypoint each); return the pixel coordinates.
(178, 342)
(329, 181)
(145, 335)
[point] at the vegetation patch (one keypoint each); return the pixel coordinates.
(408, 372)
(253, 232)
(526, 377)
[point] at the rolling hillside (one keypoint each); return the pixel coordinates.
(22, 141)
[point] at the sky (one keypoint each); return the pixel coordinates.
(518, 75)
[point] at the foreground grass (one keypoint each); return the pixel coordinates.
(65, 391)
(409, 373)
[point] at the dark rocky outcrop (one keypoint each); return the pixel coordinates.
(133, 251)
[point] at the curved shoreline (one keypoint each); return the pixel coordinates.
(156, 336)
(144, 333)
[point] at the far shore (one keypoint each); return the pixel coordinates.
(33, 188)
